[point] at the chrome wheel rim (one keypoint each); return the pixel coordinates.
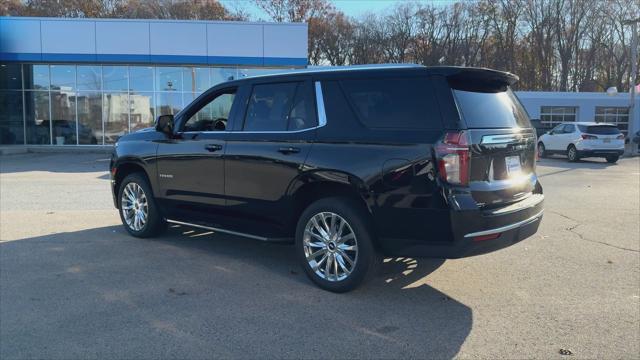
(540, 150)
(572, 153)
(330, 246)
(134, 206)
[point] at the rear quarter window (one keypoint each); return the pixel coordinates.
(500, 109)
(394, 103)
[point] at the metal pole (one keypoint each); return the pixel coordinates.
(634, 124)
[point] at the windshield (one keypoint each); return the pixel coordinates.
(491, 109)
(599, 129)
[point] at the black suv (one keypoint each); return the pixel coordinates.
(348, 163)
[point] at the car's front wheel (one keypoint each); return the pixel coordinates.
(335, 245)
(138, 210)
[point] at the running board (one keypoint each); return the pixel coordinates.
(230, 232)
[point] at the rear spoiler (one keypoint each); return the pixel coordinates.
(476, 79)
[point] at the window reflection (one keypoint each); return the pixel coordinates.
(37, 117)
(11, 121)
(142, 110)
(89, 118)
(196, 79)
(89, 78)
(219, 75)
(36, 77)
(63, 117)
(63, 77)
(115, 78)
(140, 78)
(169, 79)
(168, 103)
(115, 113)
(70, 104)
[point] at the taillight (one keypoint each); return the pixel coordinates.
(452, 154)
(588, 137)
(620, 137)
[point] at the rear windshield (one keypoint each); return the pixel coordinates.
(500, 109)
(599, 129)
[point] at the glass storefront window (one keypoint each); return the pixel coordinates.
(140, 78)
(36, 77)
(63, 117)
(115, 78)
(37, 117)
(88, 104)
(11, 77)
(219, 75)
(89, 117)
(168, 103)
(115, 114)
(168, 79)
(63, 77)
(11, 121)
(195, 79)
(89, 78)
(142, 108)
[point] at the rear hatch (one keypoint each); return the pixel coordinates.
(501, 140)
(601, 136)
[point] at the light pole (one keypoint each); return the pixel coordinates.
(634, 124)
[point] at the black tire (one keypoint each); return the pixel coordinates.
(572, 154)
(366, 258)
(542, 151)
(612, 159)
(154, 221)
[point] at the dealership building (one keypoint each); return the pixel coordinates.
(88, 81)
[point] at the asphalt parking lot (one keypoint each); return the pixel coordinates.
(73, 284)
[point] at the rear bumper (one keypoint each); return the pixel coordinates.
(473, 231)
(600, 152)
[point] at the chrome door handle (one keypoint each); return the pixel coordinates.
(289, 150)
(213, 147)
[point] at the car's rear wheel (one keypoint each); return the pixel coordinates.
(612, 159)
(572, 153)
(335, 244)
(138, 210)
(542, 151)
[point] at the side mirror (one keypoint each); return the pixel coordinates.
(164, 124)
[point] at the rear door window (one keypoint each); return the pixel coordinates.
(269, 107)
(500, 109)
(600, 129)
(568, 129)
(397, 103)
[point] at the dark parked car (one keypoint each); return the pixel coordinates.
(347, 163)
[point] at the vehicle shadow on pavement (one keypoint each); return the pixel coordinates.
(191, 293)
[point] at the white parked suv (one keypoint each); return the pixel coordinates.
(583, 139)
